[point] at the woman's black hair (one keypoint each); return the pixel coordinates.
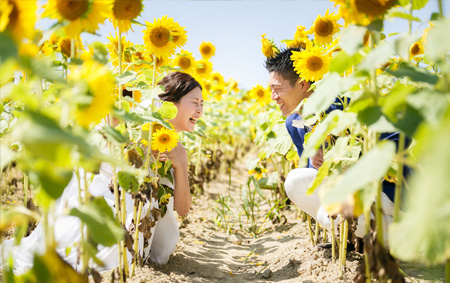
(176, 85)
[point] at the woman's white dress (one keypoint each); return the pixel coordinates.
(161, 245)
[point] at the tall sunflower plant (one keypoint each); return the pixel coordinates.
(382, 91)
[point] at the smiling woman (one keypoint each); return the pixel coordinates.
(158, 235)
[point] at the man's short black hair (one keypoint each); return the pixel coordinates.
(283, 65)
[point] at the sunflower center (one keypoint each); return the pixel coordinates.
(201, 70)
(373, 7)
(66, 45)
(206, 50)
(159, 36)
(14, 15)
(323, 27)
(260, 93)
(175, 38)
(415, 49)
(164, 138)
(184, 63)
(314, 63)
(127, 9)
(72, 9)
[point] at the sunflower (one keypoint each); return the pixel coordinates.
(124, 11)
(158, 37)
(259, 172)
(217, 78)
(100, 91)
(372, 8)
(17, 18)
(80, 15)
(233, 85)
(113, 48)
(179, 36)
(416, 49)
(350, 14)
(50, 45)
(261, 94)
(207, 50)
(325, 27)
(185, 61)
(164, 140)
(65, 46)
(268, 47)
(300, 32)
(203, 68)
(304, 43)
(146, 127)
(311, 64)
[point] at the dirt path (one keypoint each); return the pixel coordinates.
(283, 253)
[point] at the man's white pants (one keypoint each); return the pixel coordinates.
(297, 183)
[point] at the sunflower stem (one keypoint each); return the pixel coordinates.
(119, 44)
(366, 254)
(310, 229)
(379, 216)
(80, 200)
(399, 182)
(333, 245)
(25, 189)
(117, 206)
(136, 236)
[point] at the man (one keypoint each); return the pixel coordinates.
(288, 90)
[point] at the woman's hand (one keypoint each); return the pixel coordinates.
(178, 156)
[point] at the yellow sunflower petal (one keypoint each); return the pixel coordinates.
(311, 64)
(164, 140)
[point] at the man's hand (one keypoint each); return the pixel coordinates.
(317, 159)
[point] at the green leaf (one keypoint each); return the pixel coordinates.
(352, 39)
(370, 168)
(369, 115)
(325, 94)
(397, 13)
(408, 120)
(128, 182)
(321, 174)
(127, 77)
(343, 62)
(423, 233)
(114, 135)
(430, 104)
(100, 221)
(378, 56)
(416, 4)
(336, 120)
(100, 52)
(7, 48)
(414, 73)
(435, 44)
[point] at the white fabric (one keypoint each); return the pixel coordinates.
(162, 244)
(297, 183)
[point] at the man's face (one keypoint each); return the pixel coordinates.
(286, 96)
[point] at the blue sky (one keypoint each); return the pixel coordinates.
(235, 28)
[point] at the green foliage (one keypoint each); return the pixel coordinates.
(414, 73)
(128, 182)
(423, 233)
(370, 168)
(101, 223)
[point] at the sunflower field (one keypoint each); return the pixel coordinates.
(67, 107)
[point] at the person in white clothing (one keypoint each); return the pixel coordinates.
(186, 94)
